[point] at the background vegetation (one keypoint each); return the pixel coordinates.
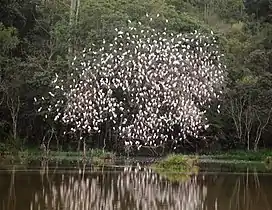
(38, 38)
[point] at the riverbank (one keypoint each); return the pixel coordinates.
(95, 155)
(260, 156)
(239, 155)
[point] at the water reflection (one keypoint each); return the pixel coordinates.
(130, 188)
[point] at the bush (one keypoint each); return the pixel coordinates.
(177, 163)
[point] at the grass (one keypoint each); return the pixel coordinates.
(172, 163)
(175, 163)
(96, 155)
(180, 167)
(241, 155)
(176, 167)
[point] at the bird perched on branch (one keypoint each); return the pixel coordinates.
(143, 84)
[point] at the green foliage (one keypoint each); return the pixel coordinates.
(2, 147)
(268, 160)
(12, 146)
(176, 167)
(261, 9)
(38, 39)
(99, 153)
(177, 163)
(242, 155)
(95, 156)
(8, 38)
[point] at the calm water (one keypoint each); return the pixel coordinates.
(83, 187)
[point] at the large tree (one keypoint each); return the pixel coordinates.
(150, 86)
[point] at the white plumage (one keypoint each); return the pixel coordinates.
(143, 84)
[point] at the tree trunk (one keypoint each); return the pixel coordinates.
(84, 148)
(14, 110)
(105, 137)
(78, 145)
(71, 24)
(14, 126)
(73, 20)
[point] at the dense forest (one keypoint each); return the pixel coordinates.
(39, 38)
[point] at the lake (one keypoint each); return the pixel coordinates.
(79, 186)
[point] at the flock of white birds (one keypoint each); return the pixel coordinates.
(142, 83)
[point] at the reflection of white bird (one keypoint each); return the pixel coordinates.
(74, 191)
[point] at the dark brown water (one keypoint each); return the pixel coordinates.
(96, 188)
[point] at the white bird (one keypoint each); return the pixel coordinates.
(163, 78)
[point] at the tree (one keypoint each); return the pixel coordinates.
(261, 9)
(150, 86)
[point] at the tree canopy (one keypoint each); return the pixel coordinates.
(39, 39)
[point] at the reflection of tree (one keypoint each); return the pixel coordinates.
(245, 198)
(11, 196)
(57, 187)
(132, 188)
(237, 191)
